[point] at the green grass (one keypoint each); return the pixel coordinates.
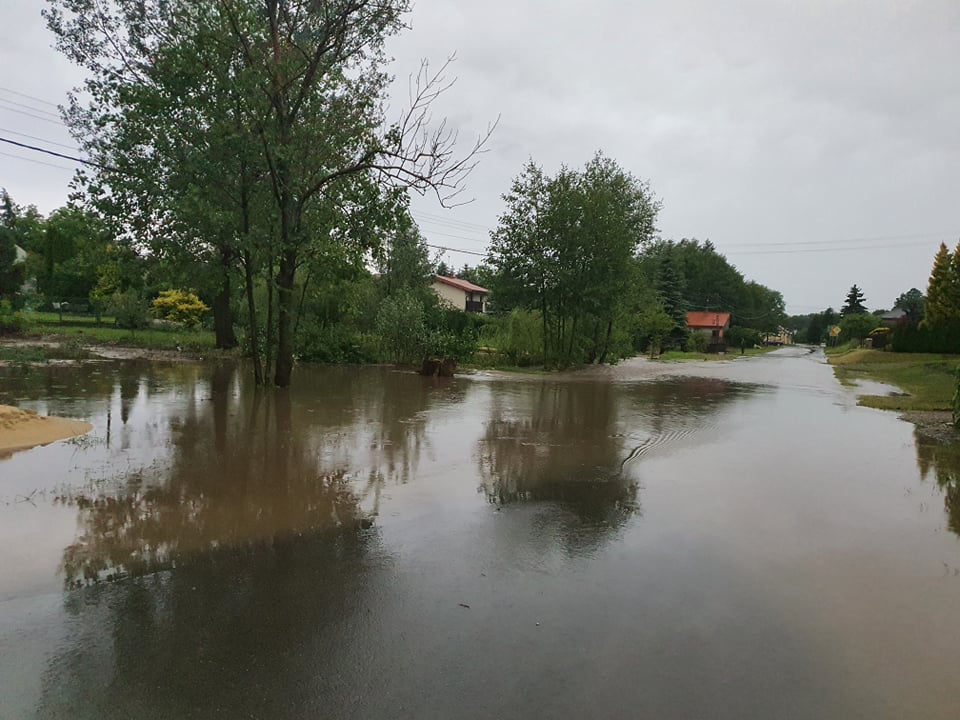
(927, 379)
(152, 339)
(35, 317)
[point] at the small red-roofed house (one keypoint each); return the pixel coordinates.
(461, 294)
(712, 324)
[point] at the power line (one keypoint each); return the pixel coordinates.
(53, 153)
(38, 162)
(31, 108)
(35, 117)
(431, 216)
(912, 236)
(29, 97)
(40, 139)
(823, 250)
(455, 237)
(456, 250)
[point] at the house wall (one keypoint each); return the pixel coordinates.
(457, 298)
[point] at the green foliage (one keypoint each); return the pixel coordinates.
(129, 309)
(939, 306)
(692, 275)
(179, 306)
(744, 337)
(566, 247)
(653, 327)
(853, 305)
(401, 326)
(912, 303)
(698, 342)
(522, 338)
(11, 321)
(857, 327)
(336, 344)
(943, 337)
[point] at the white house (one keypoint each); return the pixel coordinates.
(461, 294)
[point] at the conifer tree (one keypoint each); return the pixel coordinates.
(937, 309)
(854, 303)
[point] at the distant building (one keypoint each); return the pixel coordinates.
(894, 318)
(712, 324)
(461, 294)
(781, 337)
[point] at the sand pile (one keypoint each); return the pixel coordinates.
(21, 429)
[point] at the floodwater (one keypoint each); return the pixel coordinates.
(739, 542)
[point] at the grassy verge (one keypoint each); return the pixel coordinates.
(150, 339)
(678, 355)
(927, 379)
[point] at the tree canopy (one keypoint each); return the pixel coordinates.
(252, 135)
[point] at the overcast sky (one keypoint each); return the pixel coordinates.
(782, 131)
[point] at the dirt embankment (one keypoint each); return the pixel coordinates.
(22, 429)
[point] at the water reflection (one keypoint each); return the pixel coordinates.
(942, 461)
(579, 445)
(194, 459)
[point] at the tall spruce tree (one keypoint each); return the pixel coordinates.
(853, 305)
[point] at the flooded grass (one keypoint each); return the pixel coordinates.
(926, 379)
(732, 353)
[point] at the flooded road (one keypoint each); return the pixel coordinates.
(741, 541)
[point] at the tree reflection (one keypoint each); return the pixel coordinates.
(552, 442)
(942, 460)
(576, 444)
(244, 467)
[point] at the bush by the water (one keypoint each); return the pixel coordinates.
(179, 306)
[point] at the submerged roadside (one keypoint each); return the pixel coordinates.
(919, 386)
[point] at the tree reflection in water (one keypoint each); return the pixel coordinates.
(576, 444)
(247, 467)
(943, 461)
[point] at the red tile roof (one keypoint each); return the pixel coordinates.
(460, 284)
(707, 319)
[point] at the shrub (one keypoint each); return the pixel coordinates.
(179, 306)
(129, 310)
(11, 322)
(698, 342)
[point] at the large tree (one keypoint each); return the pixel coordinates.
(912, 303)
(276, 102)
(566, 246)
(853, 304)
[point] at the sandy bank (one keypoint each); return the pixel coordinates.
(22, 429)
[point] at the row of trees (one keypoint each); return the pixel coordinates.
(578, 249)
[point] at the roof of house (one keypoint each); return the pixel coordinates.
(895, 314)
(460, 284)
(707, 319)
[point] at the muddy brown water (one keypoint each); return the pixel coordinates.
(741, 541)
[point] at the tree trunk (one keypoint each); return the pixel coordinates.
(285, 300)
(606, 343)
(226, 338)
(253, 331)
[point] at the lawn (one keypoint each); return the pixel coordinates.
(85, 328)
(927, 379)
